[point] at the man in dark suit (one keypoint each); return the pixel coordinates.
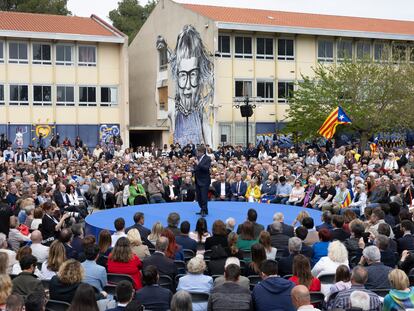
(202, 179)
(287, 229)
(65, 237)
(124, 295)
(184, 240)
(277, 238)
(171, 191)
(222, 189)
(143, 231)
(338, 232)
(165, 265)
(406, 242)
(286, 263)
(301, 232)
(252, 217)
(238, 189)
(388, 257)
(60, 197)
(153, 296)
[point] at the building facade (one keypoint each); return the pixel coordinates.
(62, 74)
(255, 53)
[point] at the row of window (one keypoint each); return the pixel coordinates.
(345, 49)
(41, 54)
(65, 95)
(265, 90)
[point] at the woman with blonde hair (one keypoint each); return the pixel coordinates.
(301, 216)
(401, 296)
(6, 286)
(57, 256)
(156, 231)
(138, 248)
(253, 191)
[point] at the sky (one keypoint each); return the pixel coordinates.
(389, 9)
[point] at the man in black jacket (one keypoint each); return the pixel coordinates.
(277, 238)
(338, 233)
(165, 265)
(143, 231)
(202, 179)
(286, 263)
(252, 217)
(406, 242)
(26, 282)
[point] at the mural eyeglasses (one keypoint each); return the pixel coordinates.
(184, 76)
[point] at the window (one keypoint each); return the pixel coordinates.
(109, 96)
(65, 95)
(42, 95)
(243, 88)
(1, 52)
(163, 58)
(264, 89)
(163, 98)
(41, 54)
(243, 47)
(325, 51)
(399, 53)
(19, 95)
(264, 48)
(363, 50)
(1, 94)
(381, 52)
(87, 96)
(344, 50)
(224, 46)
(225, 133)
(87, 56)
(64, 55)
(285, 49)
(18, 53)
(284, 91)
(240, 133)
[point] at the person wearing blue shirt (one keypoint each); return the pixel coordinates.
(95, 275)
(184, 240)
(320, 249)
(282, 191)
(268, 189)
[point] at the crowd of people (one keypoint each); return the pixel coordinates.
(359, 258)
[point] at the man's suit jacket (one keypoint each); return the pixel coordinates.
(217, 189)
(154, 297)
(242, 189)
(165, 265)
(279, 241)
(406, 242)
(285, 265)
(340, 234)
(202, 171)
(324, 226)
(287, 230)
(144, 232)
(167, 193)
(58, 198)
(118, 308)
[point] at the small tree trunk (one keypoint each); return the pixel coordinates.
(364, 140)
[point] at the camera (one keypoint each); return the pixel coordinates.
(73, 214)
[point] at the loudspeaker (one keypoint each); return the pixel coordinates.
(246, 111)
(223, 138)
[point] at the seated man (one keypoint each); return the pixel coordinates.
(338, 232)
(66, 238)
(388, 257)
(301, 232)
(268, 189)
(124, 294)
(26, 282)
(312, 237)
(285, 264)
(40, 251)
(222, 191)
(376, 270)
(238, 189)
(230, 295)
(282, 192)
(273, 291)
(119, 225)
(359, 277)
(165, 265)
(153, 296)
(184, 240)
(287, 229)
(277, 238)
(252, 217)
(301, 298)
(242, 280)
(95, 275)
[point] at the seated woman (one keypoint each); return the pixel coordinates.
(195, 281)
(174, 251)
(264, 239)
(302, 274)
(57, 256)
(219, 236)
(401, 296)
(108, 192)
(63, 286)
(123, 261)
(137, 193)
(201, 233)
(246, 237)
(253, 192)
(320, 249)
(342, 282)
(138, 248)
(233, 250)
(51, 225)
(156, 231)
(258, 256)
(104, 244)
(23, 251)
(297, 194)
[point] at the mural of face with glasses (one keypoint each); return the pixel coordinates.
(192, 71)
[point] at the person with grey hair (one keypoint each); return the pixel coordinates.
(10, 254)
(342, 300)
(359, 299)
(181, 301)
(165, 265)
(173, 221)
(230, 224)
(278, 239)
(359, 201)
(286, 263)
(196, 280)
(287, 229)
(377, 271)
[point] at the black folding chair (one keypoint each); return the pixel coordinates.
(317, 299)
(188, 254)
(215, 276)
(177, 278)
(327, 278)
(115, 278)
(110, 289)
(55, 305)
(254, 280)
(199, 297)
(207, 254)
(181, 266)
(382, 292)
(166, 281)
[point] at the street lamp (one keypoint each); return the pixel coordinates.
(247, 105)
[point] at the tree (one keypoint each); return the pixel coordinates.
(130, 16)
(376, 96)
(58, 7)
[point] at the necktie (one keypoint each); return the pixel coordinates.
(238, 187)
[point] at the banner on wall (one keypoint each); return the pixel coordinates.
(42, 133)
(107, 133)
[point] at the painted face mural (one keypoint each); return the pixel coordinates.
(192, 71)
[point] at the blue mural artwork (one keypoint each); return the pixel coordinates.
(107, 133)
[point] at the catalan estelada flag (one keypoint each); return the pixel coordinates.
(373, 146)
(338, 116)
(348, 199)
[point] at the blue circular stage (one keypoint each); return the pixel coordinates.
(217, 210)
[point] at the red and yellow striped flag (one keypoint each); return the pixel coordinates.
(335, 118)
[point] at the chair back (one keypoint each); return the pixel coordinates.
(317, 299)
(115, 278)
(188, 254)
(327, 278)
(254, 280)
(199, 297)
(382, 292)
(55, 305)
(181, 266)
(166, 281)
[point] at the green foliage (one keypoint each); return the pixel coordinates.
(376, 96)
(58, 7)
(130, 16)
